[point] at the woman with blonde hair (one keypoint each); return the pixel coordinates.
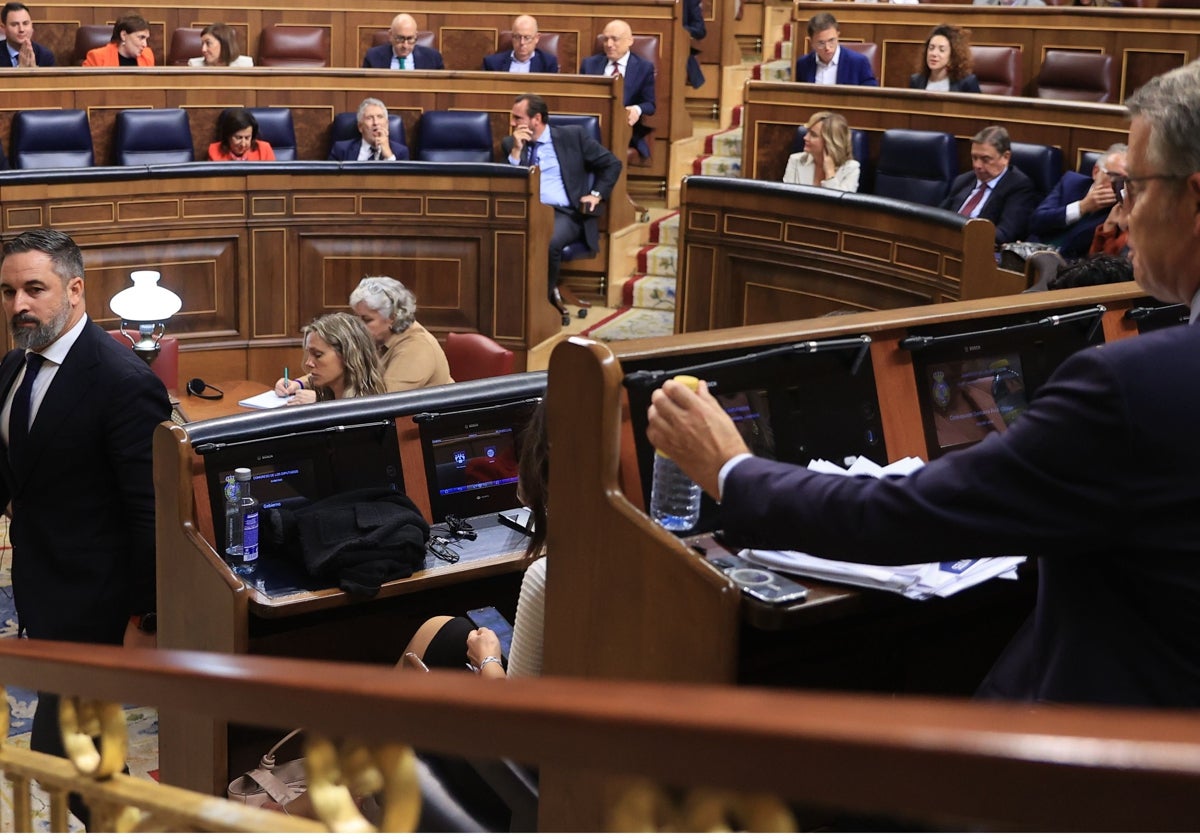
(826, 160)
(946, 62)
(341, 361)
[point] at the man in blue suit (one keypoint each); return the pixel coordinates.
(639, 79)
(524, 57)
(373, 142)
(828, 63)
(1097, 476)
(403, 53)
(1069, 215)
(18, 34)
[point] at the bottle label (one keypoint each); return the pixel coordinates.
(250, 538)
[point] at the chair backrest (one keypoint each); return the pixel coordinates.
(547, 43)
(998, 69)
(859, 149)
(587, 122)
(384, 36)
(185, 44)
(455, 136)
(1043, 164)
(915, 165)
(1088, 161)
(276, 127)
(51, 140)
(475, 356)
(868, 49)
(87, 37)
(294, 46)
(345, 127)
(146, 136)
(166, 364)
(1077, 76)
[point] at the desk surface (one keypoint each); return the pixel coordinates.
(196, 408)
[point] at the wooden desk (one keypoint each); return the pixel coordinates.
(195, 408)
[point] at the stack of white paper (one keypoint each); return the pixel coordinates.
(918, 581)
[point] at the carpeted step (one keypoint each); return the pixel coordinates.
(774, 71)
(737, 116)
(648, 291)
(730, 167)
(727, 143)
(665, 230)
(633, 323)
(662, 260)
(783, 50)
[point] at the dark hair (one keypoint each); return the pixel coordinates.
(226, 36)
(995, 136)
(534, 105)
(128, 23)
(64, 254)
(959, 65)
(534, 472)
(232, 121)
(820, 22)
(13, 7)
(1097, 270)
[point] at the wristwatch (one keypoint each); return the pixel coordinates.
(596, 193)
(146, 622)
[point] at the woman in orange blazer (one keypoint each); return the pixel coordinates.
(127, 48)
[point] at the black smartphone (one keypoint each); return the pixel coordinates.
(490, 618)
(1118, 187)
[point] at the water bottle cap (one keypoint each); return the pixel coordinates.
(688, 381)
(242, 474)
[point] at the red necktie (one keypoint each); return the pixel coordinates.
(973, 202)
(616, 69)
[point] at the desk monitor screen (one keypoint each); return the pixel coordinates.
(471, 459)
(306, 466)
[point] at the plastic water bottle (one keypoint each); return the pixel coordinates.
(233, 519)
(674, 498)
(241, 516)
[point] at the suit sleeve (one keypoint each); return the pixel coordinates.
(602, 163)
(645, 93)
(1051, 214)
(916, 81)
(1018, 207)
(970, 84)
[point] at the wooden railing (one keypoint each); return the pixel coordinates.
(942, 763)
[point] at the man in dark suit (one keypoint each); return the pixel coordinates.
(373, 142)
(77, 417)
(828, 63)
(1098, 475)
(577, 173)
(403, 53)
(1069, 215)
(693, 22)
(18, 33)
(994, 189)
(524, 57)
(639, 79)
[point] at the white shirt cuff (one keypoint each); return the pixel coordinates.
(727, 468)
(1073, 213)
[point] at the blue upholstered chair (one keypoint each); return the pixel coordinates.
(455, 136)
(147, 136)
(276, 127)
(859, 150)
(578, 250)
(916, 166)
(1088, 161)
(345, 127)
(51, 140)
(1043, 164)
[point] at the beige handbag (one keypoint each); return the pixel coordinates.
(275, 787)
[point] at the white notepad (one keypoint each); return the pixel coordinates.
(267, 399)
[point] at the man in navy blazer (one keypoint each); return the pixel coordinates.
(639, 79)
(1097, 476)
(524, 57)
(1069, 215)
(403, 53)
(1009, 197)
(18, 34)
(828, 63)
(577, 174)
(78, 413)
(373, 142)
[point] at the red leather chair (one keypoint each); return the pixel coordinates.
(294, 46)
(166, 366)
(185, 44)
(1077, 76)
(998, 69)
(869, 50)
(475, 356)
(87, 37)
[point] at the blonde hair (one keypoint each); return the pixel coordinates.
(356, 349)
(835, 134)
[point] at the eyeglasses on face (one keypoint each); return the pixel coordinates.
(524, 39)
(404, 39)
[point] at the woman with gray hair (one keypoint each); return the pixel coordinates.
(409, 354)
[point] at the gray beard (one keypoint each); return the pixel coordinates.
(42, 334)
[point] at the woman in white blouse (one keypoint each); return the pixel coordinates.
(826, 160)
(219, 48)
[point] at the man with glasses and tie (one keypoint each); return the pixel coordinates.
(994, 189)
(524, 57)
(403, 53)
(373, 142)
(77, 414)
(577, 173)
(638, 73)
(18, 33)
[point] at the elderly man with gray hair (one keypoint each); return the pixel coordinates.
(1068, 217)
(373, 142)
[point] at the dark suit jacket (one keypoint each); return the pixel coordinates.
(347, 150)
(585, 166)
(1050, 218)
(1098, 476)
(693, 22)
(425, 58)
(853, 69)
(639, 90)
(1009, 206)
(539, 62)
(83, 505)
(41, 56)
(967, 84)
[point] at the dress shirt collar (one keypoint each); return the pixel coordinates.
(518, 66)
(833, 62)
(622, 62)
(57, 352)
(991, 185)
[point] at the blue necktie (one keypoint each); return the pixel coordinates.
(18, 416)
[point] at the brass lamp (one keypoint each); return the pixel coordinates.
(148, 305)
